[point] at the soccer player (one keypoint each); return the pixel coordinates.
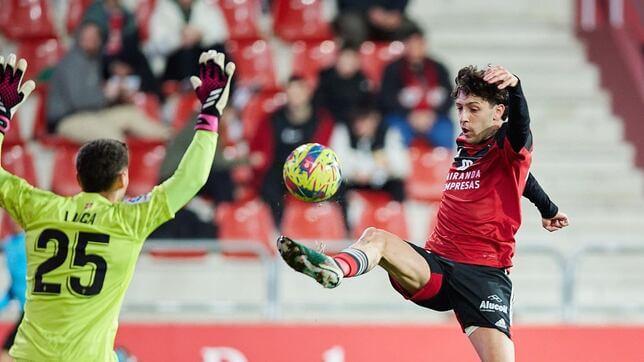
(465, 263)
(82, 250)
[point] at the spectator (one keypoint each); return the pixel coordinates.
(116, 23)
(179, 31)
(296, 123)
(81, 107)
(415, 95)
(121, 39)
(343, 86)
(372, 155)
(378, 20)
(195, 220)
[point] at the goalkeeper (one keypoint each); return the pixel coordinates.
(82, 250)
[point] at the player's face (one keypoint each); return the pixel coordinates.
(478, 119)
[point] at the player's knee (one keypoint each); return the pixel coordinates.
(372, 235)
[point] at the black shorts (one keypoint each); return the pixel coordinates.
(479, 295)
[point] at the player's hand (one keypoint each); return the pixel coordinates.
(212, 88)
(559, 221)
(496, 74)
(11, 93)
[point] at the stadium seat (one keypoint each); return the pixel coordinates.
(375, 57)
(8, 227)
(64, 176)
(300, 20)
(43, 54)
(17, 160)
(254, 60)
(310, 57)
(145, 162)
(242, 17)
(245, 221)
(149, 103)
(313, 221)
(381, 212)
(75, 11)
(187, 104)
(14, 136)
(259, 108)
(428, 172)
(27, 19)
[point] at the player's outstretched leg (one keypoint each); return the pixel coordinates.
(375, 247)
(318, 266)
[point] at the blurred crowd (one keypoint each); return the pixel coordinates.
(362, 81)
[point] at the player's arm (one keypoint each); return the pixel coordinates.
(14, 191)
(212, 88)
(518, 132)
(551, 218)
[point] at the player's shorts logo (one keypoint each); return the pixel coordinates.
(494, 305)
(495, 298)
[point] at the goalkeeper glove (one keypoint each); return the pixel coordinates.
(11, 94)
(212, 88)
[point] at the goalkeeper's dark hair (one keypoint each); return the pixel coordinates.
(470, 81)
(99, 162)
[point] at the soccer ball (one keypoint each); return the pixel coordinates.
(312, 172)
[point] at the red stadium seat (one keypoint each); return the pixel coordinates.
(313, 221)
(40, 123)
(429, 171)
(17, 160)
(8, 227)
(186, 106)
(376, 56)
(300, 20)
(259, 108)
(310, 57)
(27, 19)
(242, 17)
(254, 60)
(75, 11)
(381, 212)
(64, 172)
(149, 103)
(245, 221)
(145, 162)
(14, 136)
(43, 54)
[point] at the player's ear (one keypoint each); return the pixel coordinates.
(79, 181)
(122, 180)
(499, 109)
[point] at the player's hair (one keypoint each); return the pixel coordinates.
(99, 162)
(470, 81)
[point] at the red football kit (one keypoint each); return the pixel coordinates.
(480, 211)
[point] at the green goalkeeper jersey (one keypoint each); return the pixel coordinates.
(81, 255)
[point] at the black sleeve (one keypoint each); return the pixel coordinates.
(389, 89)
(518, 119)
(446, 83)
(539, 198)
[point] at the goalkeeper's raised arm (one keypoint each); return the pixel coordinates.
(212, 88)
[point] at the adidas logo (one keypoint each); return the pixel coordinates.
(212, 98)
(501, 324)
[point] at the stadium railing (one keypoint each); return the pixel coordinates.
(568, 268)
